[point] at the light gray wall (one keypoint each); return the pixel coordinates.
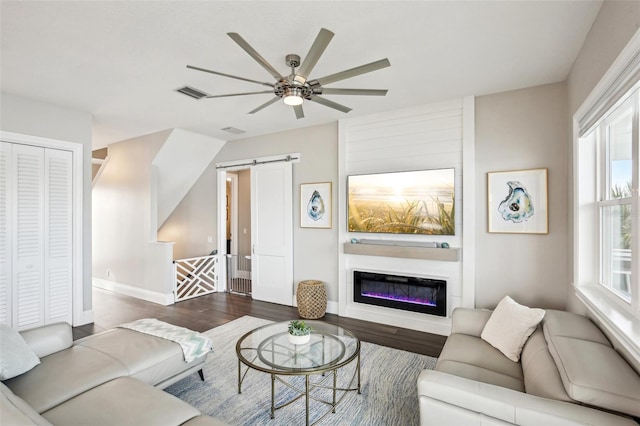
(523, 129)
(194, 220)
(30, 117)
(614, 26)
(314, 250)
(122, 213)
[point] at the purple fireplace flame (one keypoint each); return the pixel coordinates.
(426, 295)
(400, 298)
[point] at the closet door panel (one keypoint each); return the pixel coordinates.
(28, 246)
(5, 233)
(58, 236)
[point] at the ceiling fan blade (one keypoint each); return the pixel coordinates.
(330, 104)
(317, 49)
(299, 111)
(230, 76)
(264, 105)
(362, 69)
(239, 94)
(255, 55)
(363, 92)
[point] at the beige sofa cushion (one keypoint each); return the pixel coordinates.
(591, 370)
(562, 323)
(595, 374)
(63, 375)
(16, 412)
(473, 358)
(541, 377)
(49, 339)
(122, 402)
(469, 321)
(147, 358)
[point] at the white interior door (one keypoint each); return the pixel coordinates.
(28, 241)
(271, 233)
(58, 226)
(6, 260)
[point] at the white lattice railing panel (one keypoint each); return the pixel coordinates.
(195, 277)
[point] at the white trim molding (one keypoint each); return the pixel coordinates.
(164, 299)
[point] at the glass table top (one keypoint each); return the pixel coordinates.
(268, 349)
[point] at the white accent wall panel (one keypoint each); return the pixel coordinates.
(422, 138)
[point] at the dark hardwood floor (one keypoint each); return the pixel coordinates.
(206, 312)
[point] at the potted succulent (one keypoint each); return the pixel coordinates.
(299, 332)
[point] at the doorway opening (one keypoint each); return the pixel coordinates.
(238, 231)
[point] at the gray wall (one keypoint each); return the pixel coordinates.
(315, 253)
(30, 117)
(315, 250)
(194, 220)
(523, 129)
(614, 26)
(122, 225)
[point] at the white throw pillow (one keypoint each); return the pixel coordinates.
(16, 357)
(509, 327)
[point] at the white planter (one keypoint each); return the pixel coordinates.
(299, 340)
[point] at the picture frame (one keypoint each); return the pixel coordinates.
(315, 205)
(517, 202)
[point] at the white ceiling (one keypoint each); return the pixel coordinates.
(122, 61)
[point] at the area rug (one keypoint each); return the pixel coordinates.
(388, 383)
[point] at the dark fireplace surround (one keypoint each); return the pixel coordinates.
(416, 294)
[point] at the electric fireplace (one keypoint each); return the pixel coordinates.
(425, 295)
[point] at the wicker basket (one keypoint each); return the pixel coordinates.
(312, 299)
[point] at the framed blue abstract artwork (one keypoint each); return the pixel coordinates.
(315, 205)
(518, 202)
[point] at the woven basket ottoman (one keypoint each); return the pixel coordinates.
(312, 299)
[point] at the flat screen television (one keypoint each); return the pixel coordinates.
(414, 202)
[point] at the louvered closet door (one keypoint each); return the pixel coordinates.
(5, 233)
(57, 236)
(28, 237)
(36, 251)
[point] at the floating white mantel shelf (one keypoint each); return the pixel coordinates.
(408, 252)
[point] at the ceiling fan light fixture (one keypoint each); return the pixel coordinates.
(293, 96)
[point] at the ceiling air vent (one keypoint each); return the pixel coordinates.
(233, 130)
(190, 91)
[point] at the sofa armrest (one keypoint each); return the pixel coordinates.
(469, 321)
(449, 399)
(49, 339)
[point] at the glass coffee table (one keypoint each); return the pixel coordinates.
(330, 348)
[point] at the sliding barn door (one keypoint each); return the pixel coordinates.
(271, 233)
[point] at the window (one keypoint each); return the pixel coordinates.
(615, 140)
(606, 204)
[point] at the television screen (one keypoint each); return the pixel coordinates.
(415, 202)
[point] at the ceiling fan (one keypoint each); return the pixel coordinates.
(296, 87)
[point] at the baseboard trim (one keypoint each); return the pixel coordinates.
(85, 318)
(164, 299)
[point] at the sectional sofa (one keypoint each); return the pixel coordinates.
(568, 373)
(111, 378)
